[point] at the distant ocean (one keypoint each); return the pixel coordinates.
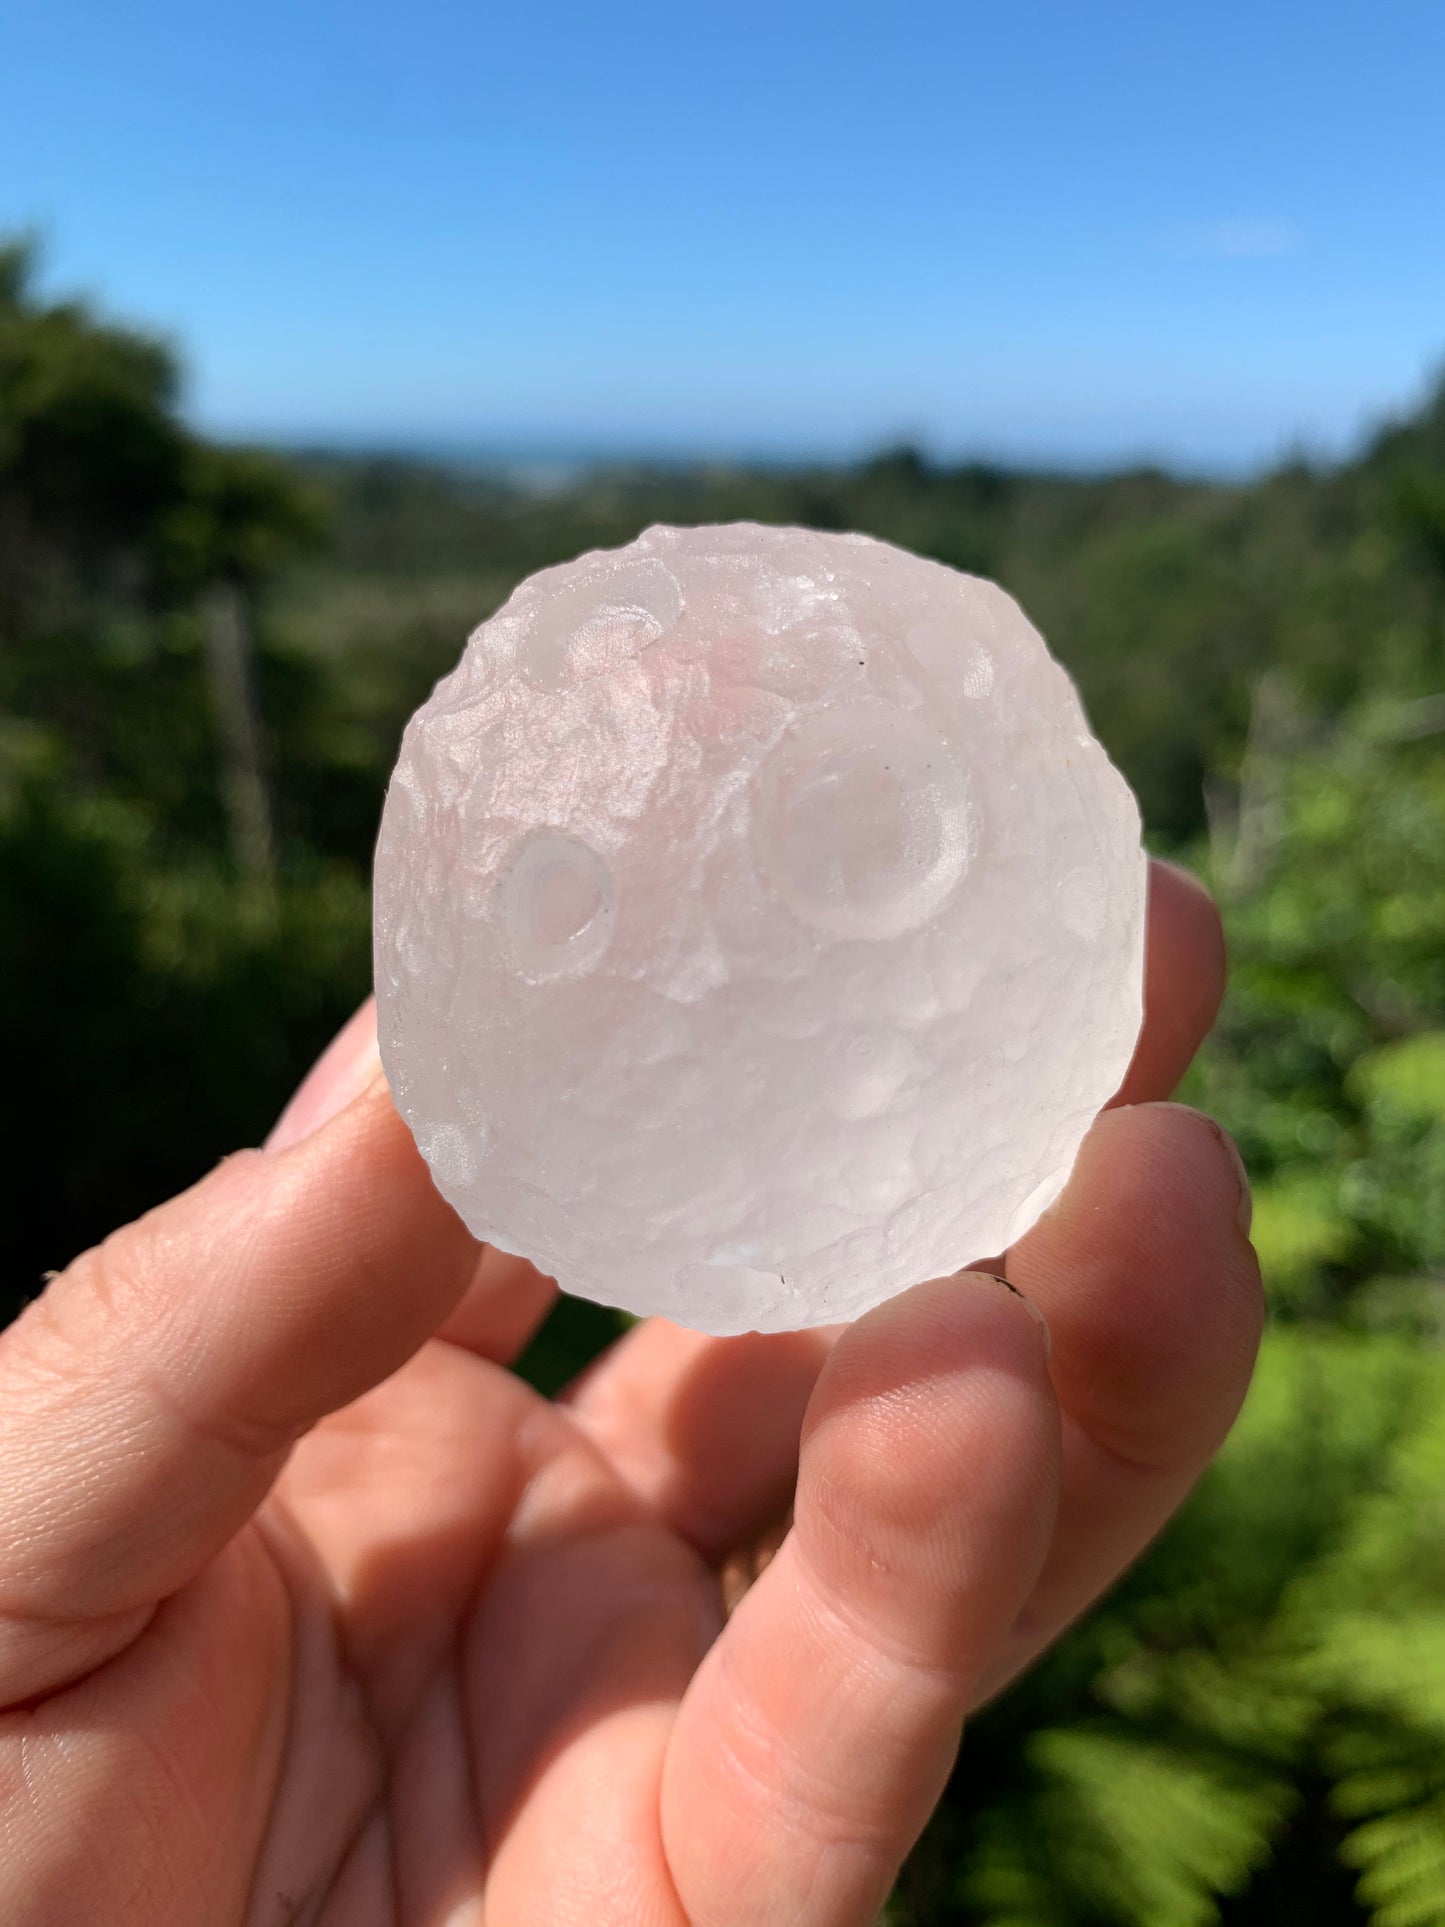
(546, 464)
(546, 467)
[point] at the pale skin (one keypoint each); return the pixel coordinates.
(311, 1611)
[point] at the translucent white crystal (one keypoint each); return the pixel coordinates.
(758, 925)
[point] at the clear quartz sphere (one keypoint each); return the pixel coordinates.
(758, 925)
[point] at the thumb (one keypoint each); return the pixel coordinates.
(149, 1398)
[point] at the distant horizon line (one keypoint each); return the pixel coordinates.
(555, 455)
(546, 461)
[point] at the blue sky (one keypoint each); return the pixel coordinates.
(1074, 231)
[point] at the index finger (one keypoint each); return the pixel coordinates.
(149, 1398)
(1184, 973)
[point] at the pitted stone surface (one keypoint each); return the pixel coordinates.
(758, 925)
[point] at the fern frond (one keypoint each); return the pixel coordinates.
(1126, 1829)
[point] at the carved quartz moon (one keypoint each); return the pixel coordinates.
(758, 925)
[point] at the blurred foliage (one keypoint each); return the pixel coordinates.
(1252, 1728)
(1329, 1062)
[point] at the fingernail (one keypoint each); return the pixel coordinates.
(343, 1071)
(1244, 1211)
(1246, 1201)
(1028, 1304)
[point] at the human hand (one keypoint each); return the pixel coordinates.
(310, 1611)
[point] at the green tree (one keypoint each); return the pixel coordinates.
(91, 452)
